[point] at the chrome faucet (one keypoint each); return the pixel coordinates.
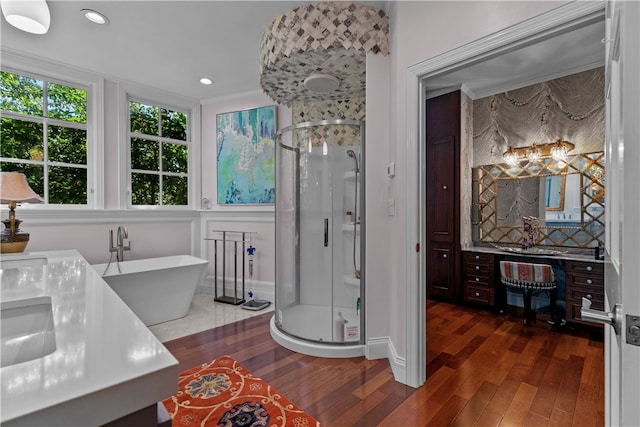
(120, 247)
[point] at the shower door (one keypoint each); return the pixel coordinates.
(318, 244)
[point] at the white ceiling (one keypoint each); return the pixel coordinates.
(163, 44)
(169, 45)
(564, 54)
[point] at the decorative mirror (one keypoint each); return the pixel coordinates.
(567, 197)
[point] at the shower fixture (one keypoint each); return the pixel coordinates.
(353, 155)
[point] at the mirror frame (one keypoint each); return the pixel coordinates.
(589, 232)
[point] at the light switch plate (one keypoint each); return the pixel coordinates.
(391, 170)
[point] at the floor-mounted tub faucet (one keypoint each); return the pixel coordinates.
(120, 247)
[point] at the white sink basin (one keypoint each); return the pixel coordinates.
(27, 330)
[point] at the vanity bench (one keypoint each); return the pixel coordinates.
(577, 276)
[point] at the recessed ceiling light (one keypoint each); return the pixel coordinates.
(321, 83)
(206, 81)
(95, 17)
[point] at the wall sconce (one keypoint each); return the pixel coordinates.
(558, 150)
(31, 16)
(14, 189)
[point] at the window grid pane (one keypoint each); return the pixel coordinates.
(53, 156)
(21, 94)
(160, 146)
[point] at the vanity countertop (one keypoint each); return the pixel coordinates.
(106, 363)
(534, 252)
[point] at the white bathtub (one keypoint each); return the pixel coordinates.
(156, 289)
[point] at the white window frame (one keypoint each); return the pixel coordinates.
(171, 102)
(94, 85)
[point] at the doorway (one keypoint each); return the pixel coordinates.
(455, 69)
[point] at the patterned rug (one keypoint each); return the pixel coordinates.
(225, 393)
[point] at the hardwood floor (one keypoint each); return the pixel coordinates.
(483, 369)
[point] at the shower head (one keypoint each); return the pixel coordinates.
(353, 155)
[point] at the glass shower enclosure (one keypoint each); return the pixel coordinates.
(320, 233)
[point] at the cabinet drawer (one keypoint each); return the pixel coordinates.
(480, 294)
(477, 280)
(477, 258)
(477, 269)
(595, 295)
(573, 311)
(584, 268)
(586, 281)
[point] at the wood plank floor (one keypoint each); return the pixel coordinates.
(484, 370)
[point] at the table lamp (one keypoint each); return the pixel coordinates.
(15, 189)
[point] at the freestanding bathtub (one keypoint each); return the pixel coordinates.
(156, 289)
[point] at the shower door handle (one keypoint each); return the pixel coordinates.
(326, 232)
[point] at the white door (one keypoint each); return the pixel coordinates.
(622, 201)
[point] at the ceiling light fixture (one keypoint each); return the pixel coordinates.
(95, 17)
(321, 83)
(31, 16)
(206, 81)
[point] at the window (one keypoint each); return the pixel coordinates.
(159, 154)
(43, 134)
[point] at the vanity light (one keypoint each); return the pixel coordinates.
(95, 17)
(558, 150)
(533, 153)
(511, 156)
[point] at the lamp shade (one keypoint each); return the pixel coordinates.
(31, 16)
(14, 187)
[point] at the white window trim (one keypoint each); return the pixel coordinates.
(128, 92)
(94, 84)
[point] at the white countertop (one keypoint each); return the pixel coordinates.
(106, 364)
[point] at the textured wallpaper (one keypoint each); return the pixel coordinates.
(570, 107)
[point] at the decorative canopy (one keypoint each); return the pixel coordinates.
(324, 38)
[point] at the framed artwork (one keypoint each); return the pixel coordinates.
(245, 156)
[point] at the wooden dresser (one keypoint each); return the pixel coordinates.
(583, 279)
(478, 278)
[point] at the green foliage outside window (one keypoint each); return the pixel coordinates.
(43, 134)
(159, 155)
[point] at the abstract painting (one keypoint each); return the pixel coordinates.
(245, 156)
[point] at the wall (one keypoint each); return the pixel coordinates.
(250, 218)
(570, 107)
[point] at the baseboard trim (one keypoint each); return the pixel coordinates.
(381, 348)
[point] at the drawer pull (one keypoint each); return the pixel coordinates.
(477, 267)
(477, 256)
(444, 255)
(589, 268)
(589, 282)
(477, 294)
(444, 187)
(589, 296)
(477, 279)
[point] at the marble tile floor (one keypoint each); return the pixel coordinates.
(205, 313)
